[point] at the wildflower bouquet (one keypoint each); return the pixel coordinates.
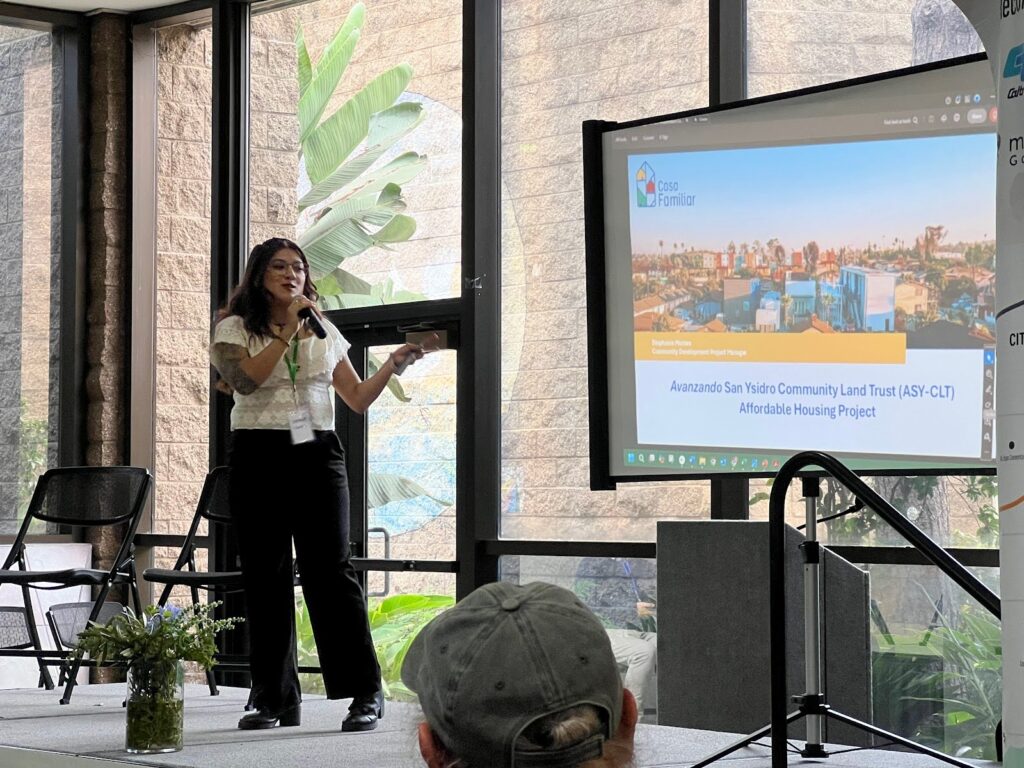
(159, 634)
(153, 646)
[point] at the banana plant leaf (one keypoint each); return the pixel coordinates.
(339, 281)
(386, 128)
(305, 71)
(317, 88)
(325, 78)
(354, 213)
(384, 488)
(378, 294)
(335, 138)
(343, 231)
(399, 229)
(394, 386)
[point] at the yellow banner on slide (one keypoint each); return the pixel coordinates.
(886, 348)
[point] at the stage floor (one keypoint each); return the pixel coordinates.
(37, 732)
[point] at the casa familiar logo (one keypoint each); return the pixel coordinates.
(646, 187)
(653, 193)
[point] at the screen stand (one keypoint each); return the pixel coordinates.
(811, 704)
(730, 498)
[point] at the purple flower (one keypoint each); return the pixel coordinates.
(167, 613)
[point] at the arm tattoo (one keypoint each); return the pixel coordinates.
(227, 358)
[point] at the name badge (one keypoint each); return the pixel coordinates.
(301, 425)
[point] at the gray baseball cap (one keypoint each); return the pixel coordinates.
(505, 656)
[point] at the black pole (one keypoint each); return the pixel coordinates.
(478, 378)
(73, 44)
(777, 611)
(727, 51)
(229, 234)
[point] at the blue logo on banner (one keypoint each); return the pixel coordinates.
(1015, 63)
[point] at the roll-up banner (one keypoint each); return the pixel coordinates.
(1000, 24)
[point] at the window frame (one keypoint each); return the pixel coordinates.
(478, 544)
(70, 34)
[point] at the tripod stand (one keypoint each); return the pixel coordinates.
(811, 704)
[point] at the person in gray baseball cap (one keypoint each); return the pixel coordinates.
(520, 677)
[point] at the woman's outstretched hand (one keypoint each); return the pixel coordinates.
(407, 354)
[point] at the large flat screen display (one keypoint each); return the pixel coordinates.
(807, 273)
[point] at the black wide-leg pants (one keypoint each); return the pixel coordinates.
(281, 493)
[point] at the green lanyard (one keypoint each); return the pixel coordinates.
(293, 364)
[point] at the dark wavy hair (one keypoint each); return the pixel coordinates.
(250, 300)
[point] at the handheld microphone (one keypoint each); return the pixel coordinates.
(313, 321)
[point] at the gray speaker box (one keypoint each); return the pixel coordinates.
(713, 644)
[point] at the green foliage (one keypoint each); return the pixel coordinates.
(159, 635)
(854, 527)
(982, 491)
(351, 210)
(644, 624)
(155, 710)
(305, 646)
(962, 696)
(32, 444)
(908, 488)
(394, 621)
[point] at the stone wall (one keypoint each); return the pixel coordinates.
(183, 277)
(795, 45)
(29, 286)
(107, 319)
(108, 273)
(563, 63)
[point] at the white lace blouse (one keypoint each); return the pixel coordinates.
(270, 404)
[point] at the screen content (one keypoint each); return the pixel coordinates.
(813, 273)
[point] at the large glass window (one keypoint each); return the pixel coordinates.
(936, 660)
(955, 511)
(395, 620)
(623, 594)
(356, 141)
(797, 45)
(356, 153)
(411, 462)
(562, 64)
(30, 80)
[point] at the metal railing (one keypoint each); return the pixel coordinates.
(777, 530)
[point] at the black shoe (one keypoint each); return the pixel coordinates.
(364, 712)
(267, 718)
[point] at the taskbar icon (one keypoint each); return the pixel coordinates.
(730, 462)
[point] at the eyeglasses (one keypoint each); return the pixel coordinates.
(283, 267)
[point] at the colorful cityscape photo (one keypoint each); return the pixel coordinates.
(891, 236)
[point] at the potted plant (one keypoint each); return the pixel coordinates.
(154, 646)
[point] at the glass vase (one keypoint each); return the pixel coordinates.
(155, 707)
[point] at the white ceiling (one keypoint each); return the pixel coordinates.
(115, 6)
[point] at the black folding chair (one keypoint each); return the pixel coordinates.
(17, 634)
(83, 497)
(212, 507)
(67, 620)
